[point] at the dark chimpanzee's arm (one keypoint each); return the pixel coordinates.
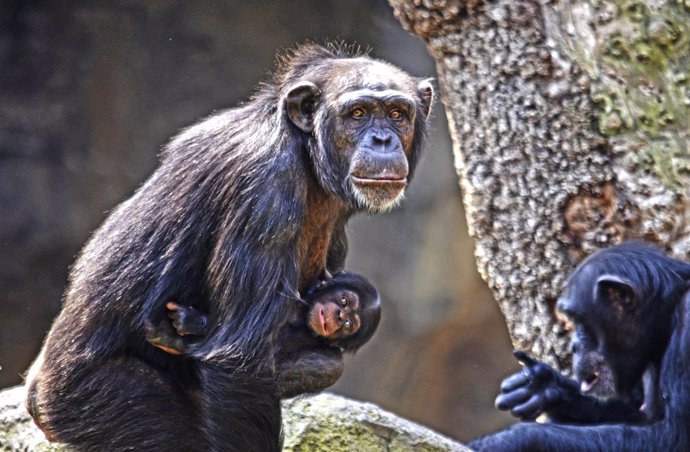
(532, 437)
(309, 371)
(539, 388)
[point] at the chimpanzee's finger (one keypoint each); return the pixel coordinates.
(530, 409)
(515, 381)
(524, 358)
(511, 399)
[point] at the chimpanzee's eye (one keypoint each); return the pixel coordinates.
(343, 301)
(396, 115)
(358, 113)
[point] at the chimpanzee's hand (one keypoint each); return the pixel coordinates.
(321, 281)
(532, 391)
(187, 320)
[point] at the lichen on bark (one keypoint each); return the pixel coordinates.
(570, 128)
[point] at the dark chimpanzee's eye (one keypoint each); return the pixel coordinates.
(347, 325)
(343, 301)
(358, 113)
(396, 115)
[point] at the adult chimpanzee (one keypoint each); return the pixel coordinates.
(246, 208)
(340, 314)
(630, 304)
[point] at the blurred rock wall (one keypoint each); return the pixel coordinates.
(90, 90)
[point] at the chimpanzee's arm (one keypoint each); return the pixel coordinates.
(303, 363)
(532, 437)
(309, 371)
(539, 388)
(338, 250)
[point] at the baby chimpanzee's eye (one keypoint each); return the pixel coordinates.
(343, 301)
(348, 325)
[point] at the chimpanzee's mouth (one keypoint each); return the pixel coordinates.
(322, 319)
(380, 181)
(589, 383)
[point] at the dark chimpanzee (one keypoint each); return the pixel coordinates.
(246, 208)
(338, 315)
(631, 308)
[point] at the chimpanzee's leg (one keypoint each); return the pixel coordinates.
(241, 409)
(121, 404)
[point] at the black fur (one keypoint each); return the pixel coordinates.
(245, 208)
(635, 300)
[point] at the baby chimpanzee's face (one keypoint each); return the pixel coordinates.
(335, 314)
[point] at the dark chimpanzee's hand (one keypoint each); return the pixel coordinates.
(187, 320)
(534, 390)
(171, 336)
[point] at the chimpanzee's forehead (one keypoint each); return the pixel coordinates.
(363, 73)
(577, 296)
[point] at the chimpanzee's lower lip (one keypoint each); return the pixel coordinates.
(370, 181)
(589, 383)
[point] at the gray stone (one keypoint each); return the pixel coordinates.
(323, 422)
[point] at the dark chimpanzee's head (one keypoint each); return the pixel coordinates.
(365, 117)
(619, 300)
(345, 310)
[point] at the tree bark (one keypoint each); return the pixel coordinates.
(570, 126)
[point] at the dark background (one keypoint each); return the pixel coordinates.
(90, 91)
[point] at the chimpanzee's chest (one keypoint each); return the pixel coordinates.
(322, 217)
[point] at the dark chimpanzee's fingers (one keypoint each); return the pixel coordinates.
(524, 358)
(530, 409)
(515, 381)
(178, 327)
(509, 400)
(174, 310)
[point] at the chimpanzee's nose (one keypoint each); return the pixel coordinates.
(382, 138)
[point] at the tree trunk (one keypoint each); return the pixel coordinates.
(570, 128)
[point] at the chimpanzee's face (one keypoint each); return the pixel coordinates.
(376, 129)
(335, 314)
(609, 356)
(367, 120)
(589, 364)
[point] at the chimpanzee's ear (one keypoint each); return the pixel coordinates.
(300, 103)
(616, 291)
(425, 90)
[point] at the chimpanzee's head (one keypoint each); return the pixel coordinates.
(619, 300)
(365, 121)
(344, 310)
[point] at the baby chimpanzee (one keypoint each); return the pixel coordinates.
(337, 315)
